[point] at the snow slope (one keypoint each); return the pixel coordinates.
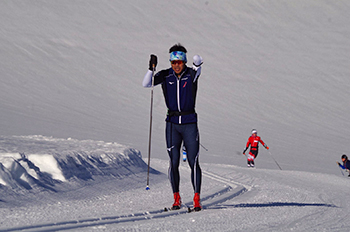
(107, 193)
(71, 74)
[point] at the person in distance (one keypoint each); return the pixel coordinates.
(253, 142)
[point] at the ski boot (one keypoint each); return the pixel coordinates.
(177, 201)
(197, 202)
(252, 164)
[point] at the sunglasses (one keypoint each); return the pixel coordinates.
(177, 62)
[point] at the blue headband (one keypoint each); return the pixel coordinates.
(177, 55)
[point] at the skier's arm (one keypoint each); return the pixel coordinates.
(264, 144)
(197, 65)
(247, 146)
(245, 150)
(340, 165)
(147, 80)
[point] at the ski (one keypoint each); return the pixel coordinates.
(183, 208)
(189, 210)
(167, 209)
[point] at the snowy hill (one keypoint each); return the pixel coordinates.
(59, 161)
(71, 93)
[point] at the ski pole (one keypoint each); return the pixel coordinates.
(150, 130)
(203, 147)
(275, 160)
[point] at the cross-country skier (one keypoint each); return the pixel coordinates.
(179, 84)
(184, 153)
(253, 142)
(346, 164)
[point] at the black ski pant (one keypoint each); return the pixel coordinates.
(175, 135)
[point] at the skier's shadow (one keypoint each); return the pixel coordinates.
(239, 153)
(271, 204)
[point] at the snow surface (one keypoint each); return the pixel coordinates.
(75, 118)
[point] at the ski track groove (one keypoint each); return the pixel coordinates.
(232, 190)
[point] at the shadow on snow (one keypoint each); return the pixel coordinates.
(273, 204)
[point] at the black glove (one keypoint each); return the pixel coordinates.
(153, 62)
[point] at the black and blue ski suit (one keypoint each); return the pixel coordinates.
(346, 165)
(181, 122)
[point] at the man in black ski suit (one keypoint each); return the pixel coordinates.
(179, 84)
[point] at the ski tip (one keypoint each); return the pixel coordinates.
(147, 188)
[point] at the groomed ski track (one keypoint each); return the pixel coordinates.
(232, 189)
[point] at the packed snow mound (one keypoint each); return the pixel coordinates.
(39, 162)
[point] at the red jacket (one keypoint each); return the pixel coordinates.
(253, 141)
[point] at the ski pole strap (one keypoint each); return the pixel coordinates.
(182, 113)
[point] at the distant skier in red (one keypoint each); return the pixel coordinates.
(253, 142)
